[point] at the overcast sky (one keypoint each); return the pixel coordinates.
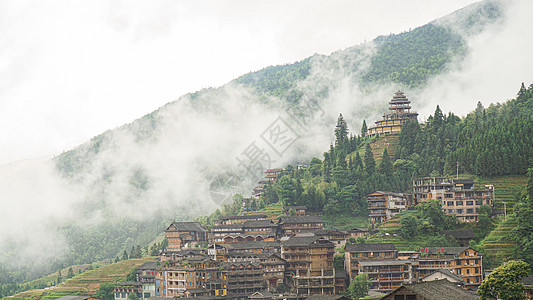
(72, 69)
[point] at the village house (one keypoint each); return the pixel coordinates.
(272, 174)
(384, 205)
(310, 264)
(290, 226)
(388, 274)
(295, 210)
(358, 232)
(430, 290)
(247, 231)
(273, 266)
(457, 196)
(359, 252)
(125, 288)
(463, 261)
(444, 274)
(145, 274)
(226, 220)
(399, 113)
(185, 234)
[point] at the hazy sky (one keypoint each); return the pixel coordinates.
(72, 69)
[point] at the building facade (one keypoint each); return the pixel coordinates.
(384, 205)
(457, 196)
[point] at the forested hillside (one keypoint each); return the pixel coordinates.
(127, 203)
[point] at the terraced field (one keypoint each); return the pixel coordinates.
(272, 211)
(499, 244)
(86, 283)
(505, 188)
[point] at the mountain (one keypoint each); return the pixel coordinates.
(122, 187)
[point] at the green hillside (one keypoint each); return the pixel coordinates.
(86, 283)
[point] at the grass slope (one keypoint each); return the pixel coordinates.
(86, 283)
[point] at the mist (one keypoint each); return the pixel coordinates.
(203, 137)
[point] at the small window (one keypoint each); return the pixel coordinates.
(469, 210)
(459, 211)
(459, 203)
(469, 202)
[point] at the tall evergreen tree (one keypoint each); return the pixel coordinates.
(370, 163)
(385, 167)
(341, 134)
(363, 128)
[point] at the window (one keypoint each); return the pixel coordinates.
(459, 203)
(449, 203)
(469, 210)
(469, 202)
(459, 211)
(448, 195)
(146, 295)
(450, 211)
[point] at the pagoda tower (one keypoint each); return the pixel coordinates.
(399, 113)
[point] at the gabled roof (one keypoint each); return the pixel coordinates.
(247, 246)
(186, 226)
(447, 273)
(147, 266)
(259, 224)
(437, 290)
(305, 241)
(301, 219)
(370, 247)
(327, 297)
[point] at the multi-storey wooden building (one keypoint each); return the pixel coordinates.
(239, 219)
(457, 196)
(273, 265)
(399, 113)
(384, 205)
(248, 231)
(361, 252)
(289, 226)
(463, 261)
(310, 264)
(183, 234)
(387, 275)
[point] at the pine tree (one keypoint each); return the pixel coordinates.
(385, 167)
(370, 163)
(364, 128)
(125, 255)
(341, 134)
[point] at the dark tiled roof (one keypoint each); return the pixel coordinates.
(147, 266)
(222, 226)
(359, 229)
(460, 234)
(187, 226)
(304, 241)
(388, 193)
(129, 283)
(370, 247)
(438, 290)
(301, 219)
(251, 245)
(448, 273)
(259, 224)
(243, 217)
